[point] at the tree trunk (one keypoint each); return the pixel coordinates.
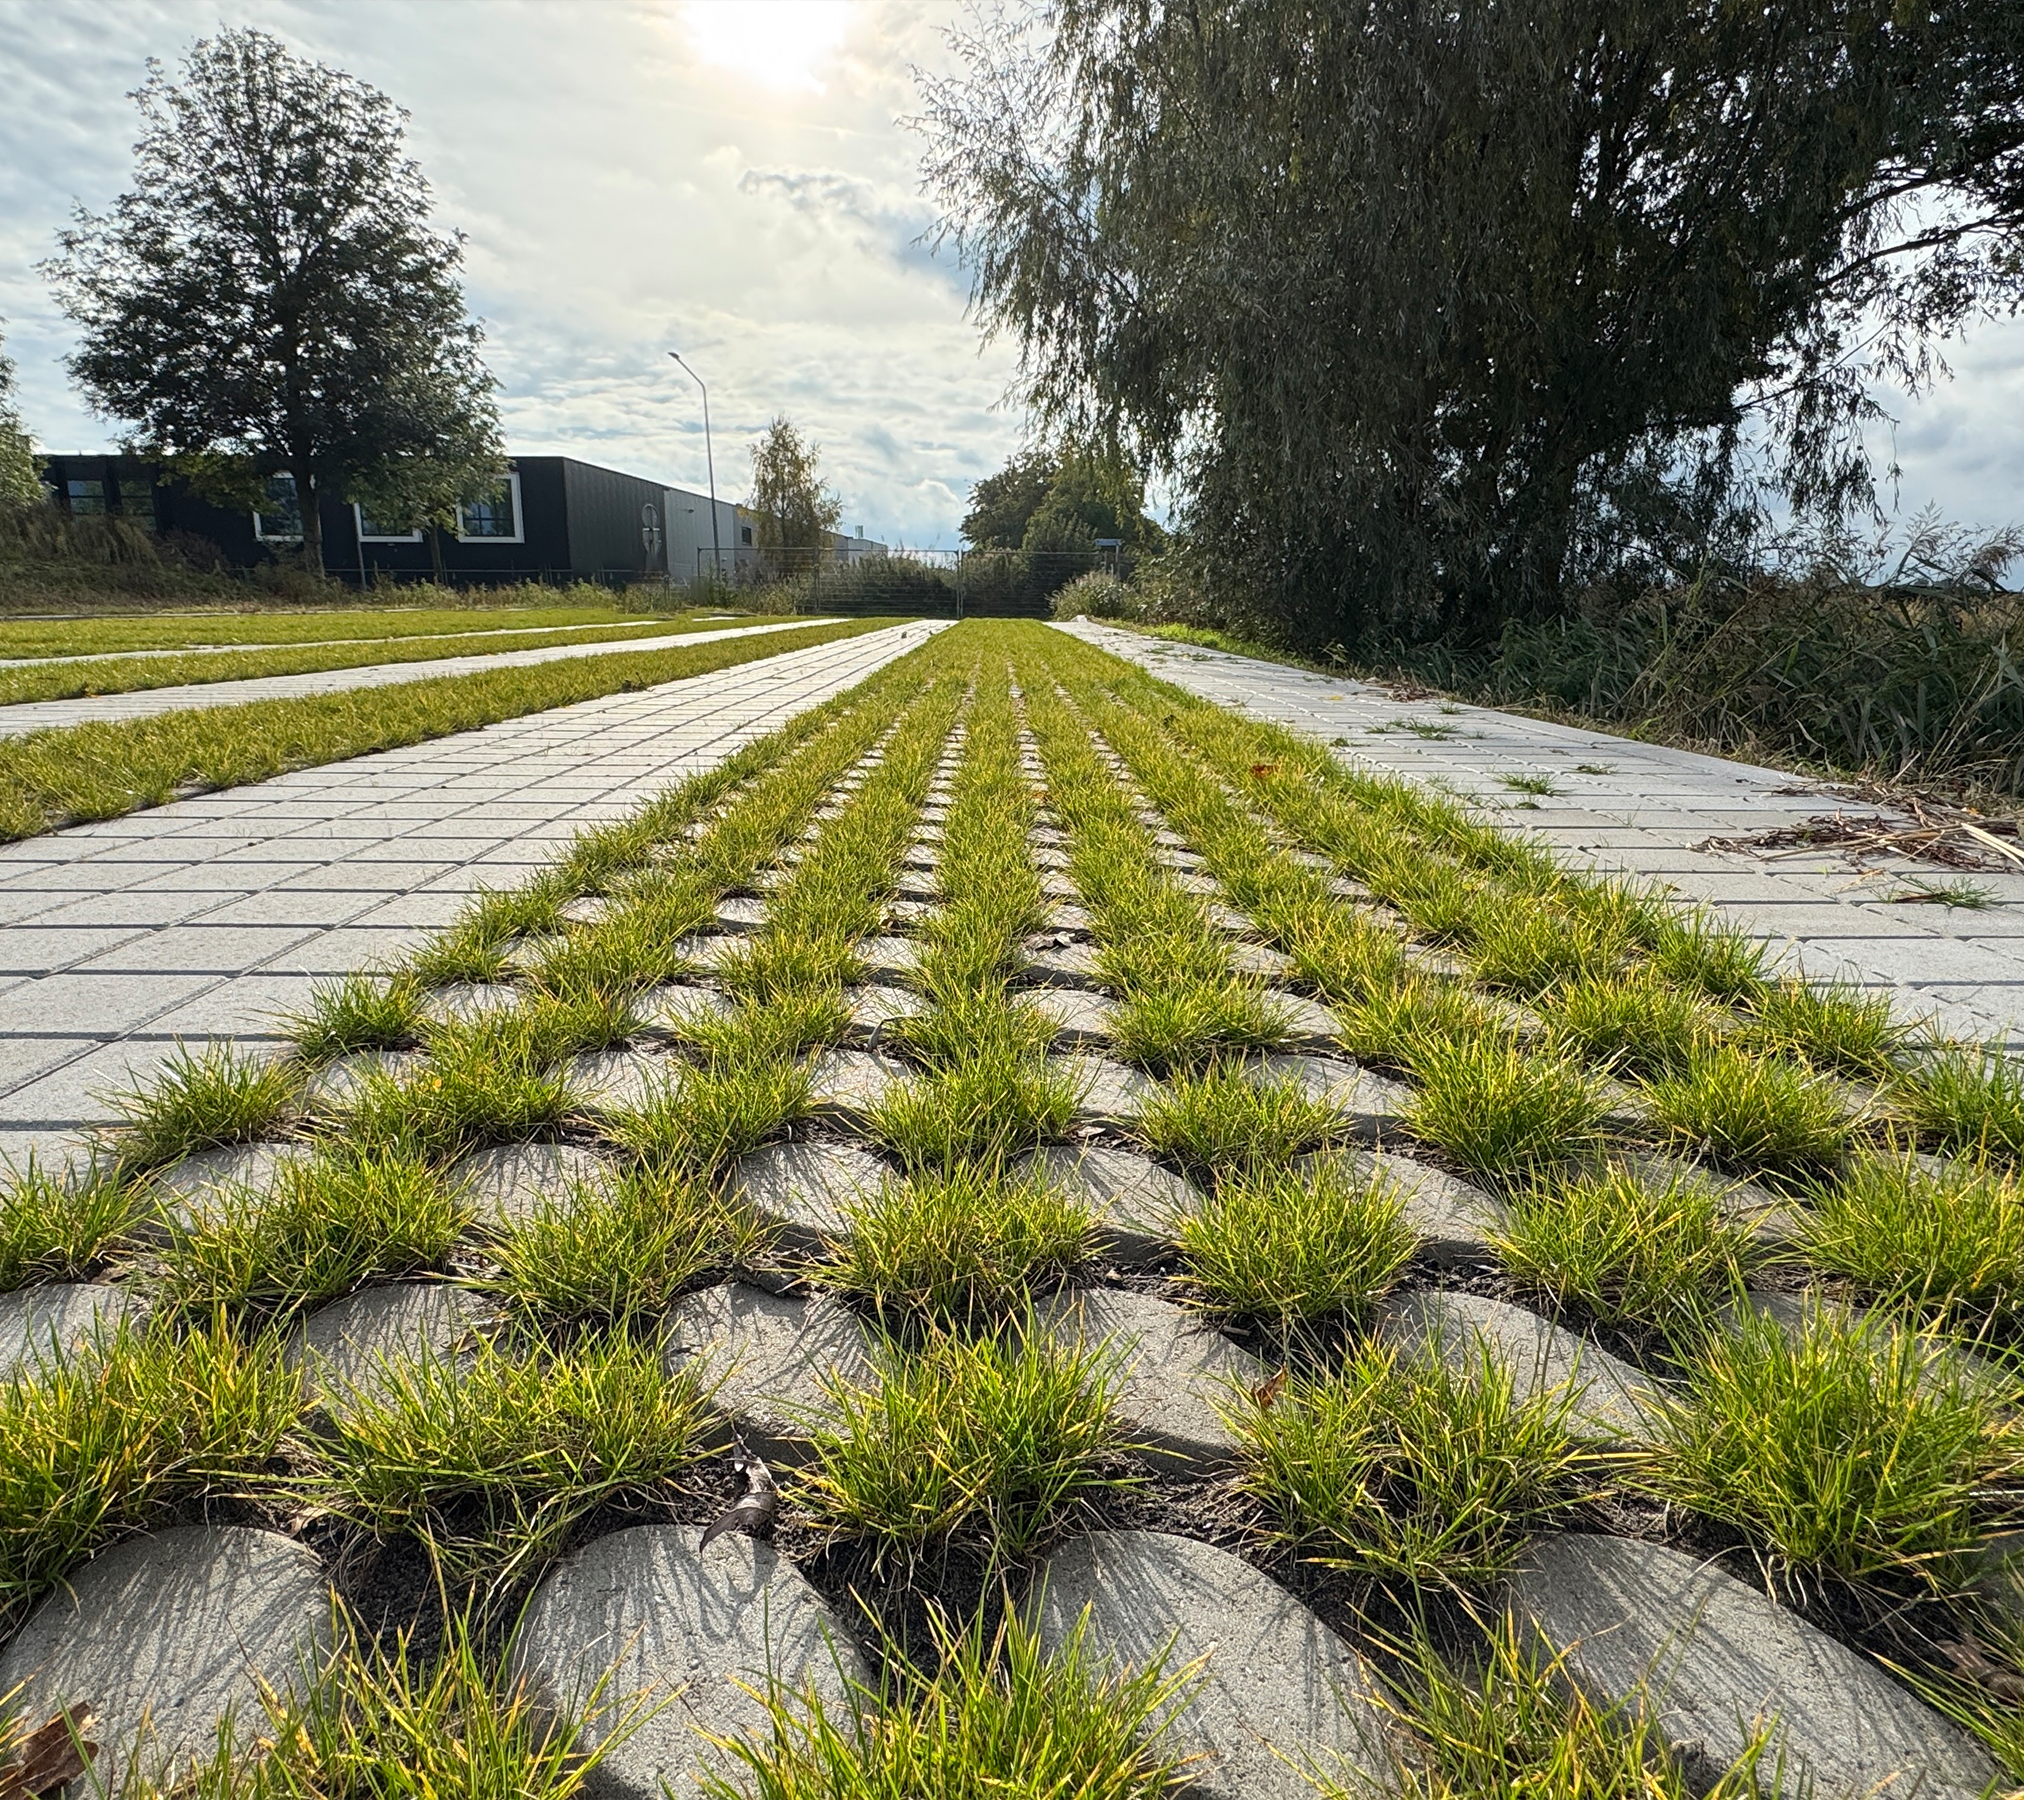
(312, 525)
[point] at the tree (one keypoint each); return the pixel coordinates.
(1440, 313)
(1041, 501)
(1001, 504)
(271, 297)
(19, 481)
(793, 509)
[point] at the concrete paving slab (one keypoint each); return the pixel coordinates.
(193, 917)
(1642, 813)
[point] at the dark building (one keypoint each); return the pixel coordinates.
(551, 519)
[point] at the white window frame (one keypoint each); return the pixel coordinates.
(381, 537)
(519, 518)
(260, 530)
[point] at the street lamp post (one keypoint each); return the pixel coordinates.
(710, 463)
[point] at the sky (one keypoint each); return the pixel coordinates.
(730, 178)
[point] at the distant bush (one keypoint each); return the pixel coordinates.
(1099, 594)
(875, 584)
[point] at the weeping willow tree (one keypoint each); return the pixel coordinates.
(1438, 314)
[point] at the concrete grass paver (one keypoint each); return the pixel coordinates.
(44, 715)
(1622, 805)
(214, 916)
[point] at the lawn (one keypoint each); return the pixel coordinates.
(1123, 916)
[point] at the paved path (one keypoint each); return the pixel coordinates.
(307, 644)
(40, 715)
(215, 915)
(1643, 808)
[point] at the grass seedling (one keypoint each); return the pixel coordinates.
(1969, 896)
(962, 1245)
(54, 1228)
(1512, 1723)
(328, 1225)
(1945, 1245)
(1837, 1027)
(994, 1441)
(1635, 1022)
(1541, 785)
(1223, 1119)
(1001, 1715)
(199, 1100)
(1407, 1469)
(1843, 1448)
(1289, 1249)
(1968, 1100)
(1753, 1113)
(111, 1440)
(1499, 1110)
(361, 1012)
(607, 1256)
(1632, 1252)
(491, 1461)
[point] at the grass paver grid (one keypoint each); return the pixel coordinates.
(1292, 1386)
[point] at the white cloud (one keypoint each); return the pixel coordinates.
(727, 177)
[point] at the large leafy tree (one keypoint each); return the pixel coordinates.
(270, 296)
(793, 509)
(1044, 501)
(1439, 312)
(18, 479)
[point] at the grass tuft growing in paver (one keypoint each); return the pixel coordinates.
(1636, 1022)
(199, 1100)
(493, 1080)
(360, 1012)
(621, 1251)
(109, 1440)
(1844, 1448)
(490, 1461)
(1945, 1243)
(328, 1225)
(1224, 1119)
(1511, 1723)
(997, 1442)
(1411, 1470)
(56, 1227)
(1000, 1715)
(963, 1245)
(1289, 1249)
(1968, 1101)
(1630, 1251)
(1761, 1114)
(1499, 1110)
(1833, 1027)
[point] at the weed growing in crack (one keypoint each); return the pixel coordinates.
(961, 1245)
(995, 1441)
(1408, 1469)
(1841, 1448)
(1294, 1248)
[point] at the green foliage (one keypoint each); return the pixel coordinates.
(1753, 1113)
(55, 1227)
(198, 1100)
(1408, 1469)
(1842, 1448)
(357, 369)
(792, 511)
(1224, 1119)
(1500, 1110)
(1967, 1100)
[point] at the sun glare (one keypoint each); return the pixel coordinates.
(776, 43)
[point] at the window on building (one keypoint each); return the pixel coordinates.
(280, 515)
(137, 502)
(85, 496)
(745, 533)
(378, 531)
(492, 517)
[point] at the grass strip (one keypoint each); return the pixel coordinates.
(71, 681)
(50, 779)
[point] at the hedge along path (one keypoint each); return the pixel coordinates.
(969, 1441)
(102, 771)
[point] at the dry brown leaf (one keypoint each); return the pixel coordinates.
(51, 1755)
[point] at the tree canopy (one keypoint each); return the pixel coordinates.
(1041, 501)
(792, 508)
(1440, 314)
(19, 481)
(270, 295)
